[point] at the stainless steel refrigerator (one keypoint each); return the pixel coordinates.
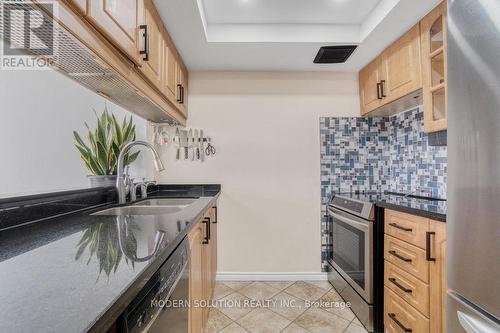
(473, 222)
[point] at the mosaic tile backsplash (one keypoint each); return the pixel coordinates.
(379, 154)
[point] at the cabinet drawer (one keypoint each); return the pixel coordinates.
(408, 287)
(409, 228)
(399, 315)
(407, 257)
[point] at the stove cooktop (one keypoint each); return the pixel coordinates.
(362, 204)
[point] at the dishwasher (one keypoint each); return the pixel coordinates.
(161, 306)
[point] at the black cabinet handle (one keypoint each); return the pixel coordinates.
(207, 230)
(145, 52)
(382, 86)
(406, 290)
(179, 93)
(216, 216)
(428, 255)
(182, 95)
(394, 253)
(403, 327)
(395, 225)
(379, 93)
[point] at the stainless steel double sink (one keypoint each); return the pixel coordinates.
(158, 206)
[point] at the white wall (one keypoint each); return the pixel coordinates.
(266, 131)
(39, 110)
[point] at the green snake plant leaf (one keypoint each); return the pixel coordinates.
(104, 143)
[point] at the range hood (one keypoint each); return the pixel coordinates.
(76, 61)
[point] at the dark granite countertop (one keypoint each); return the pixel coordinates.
(68, 274)
(429, 208)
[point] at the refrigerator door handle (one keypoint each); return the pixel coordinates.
(472, 325)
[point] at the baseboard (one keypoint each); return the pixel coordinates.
(271, 276)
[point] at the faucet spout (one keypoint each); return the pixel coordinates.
(120, 180)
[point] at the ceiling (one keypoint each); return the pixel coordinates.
(288, 11)
(284, 35)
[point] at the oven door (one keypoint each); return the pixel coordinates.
(351, 252)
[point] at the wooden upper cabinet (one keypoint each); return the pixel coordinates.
(369, 87)
(395, 75)
(401, 70)
(119, 21)
(152, 56)
(433, 36)
(80, 5)
(169, 73)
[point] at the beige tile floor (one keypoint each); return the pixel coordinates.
(281, 306)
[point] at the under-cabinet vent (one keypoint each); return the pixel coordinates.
(334, 54)
(75, 60)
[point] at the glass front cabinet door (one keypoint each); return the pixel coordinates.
(433, 43)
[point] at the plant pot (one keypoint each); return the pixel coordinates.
(102, 181)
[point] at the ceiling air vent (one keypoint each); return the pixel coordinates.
(334, 54)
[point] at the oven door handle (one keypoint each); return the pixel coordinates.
(352, 223)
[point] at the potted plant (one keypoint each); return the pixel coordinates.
(100, 153)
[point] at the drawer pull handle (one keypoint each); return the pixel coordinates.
(394, 253)
(395, 225)
(406, 290)
(403, 327)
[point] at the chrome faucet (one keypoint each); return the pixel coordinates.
(143, 186)
(123, 183)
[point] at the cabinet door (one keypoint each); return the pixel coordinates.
(119, 21)
(407, 227)
(401, 70)
(169, 73)
(437, 277)
(152, 60)
(80, 5)
(369, 92)
(213, 260)
(399, 316)
(196, 279)
(207, 283)
(434, 64)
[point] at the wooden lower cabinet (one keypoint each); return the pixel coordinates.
(196, 278)
(400, 317)
(437, 276)
(414, 291)
(203, 267)
(414, 277)
(407, 257)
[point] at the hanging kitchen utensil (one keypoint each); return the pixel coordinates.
(197, 144)
(202, 146)
(190, 141)
(210, 149)
(184, 142)
(164, 137)
(158, 139)
(178, 142)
